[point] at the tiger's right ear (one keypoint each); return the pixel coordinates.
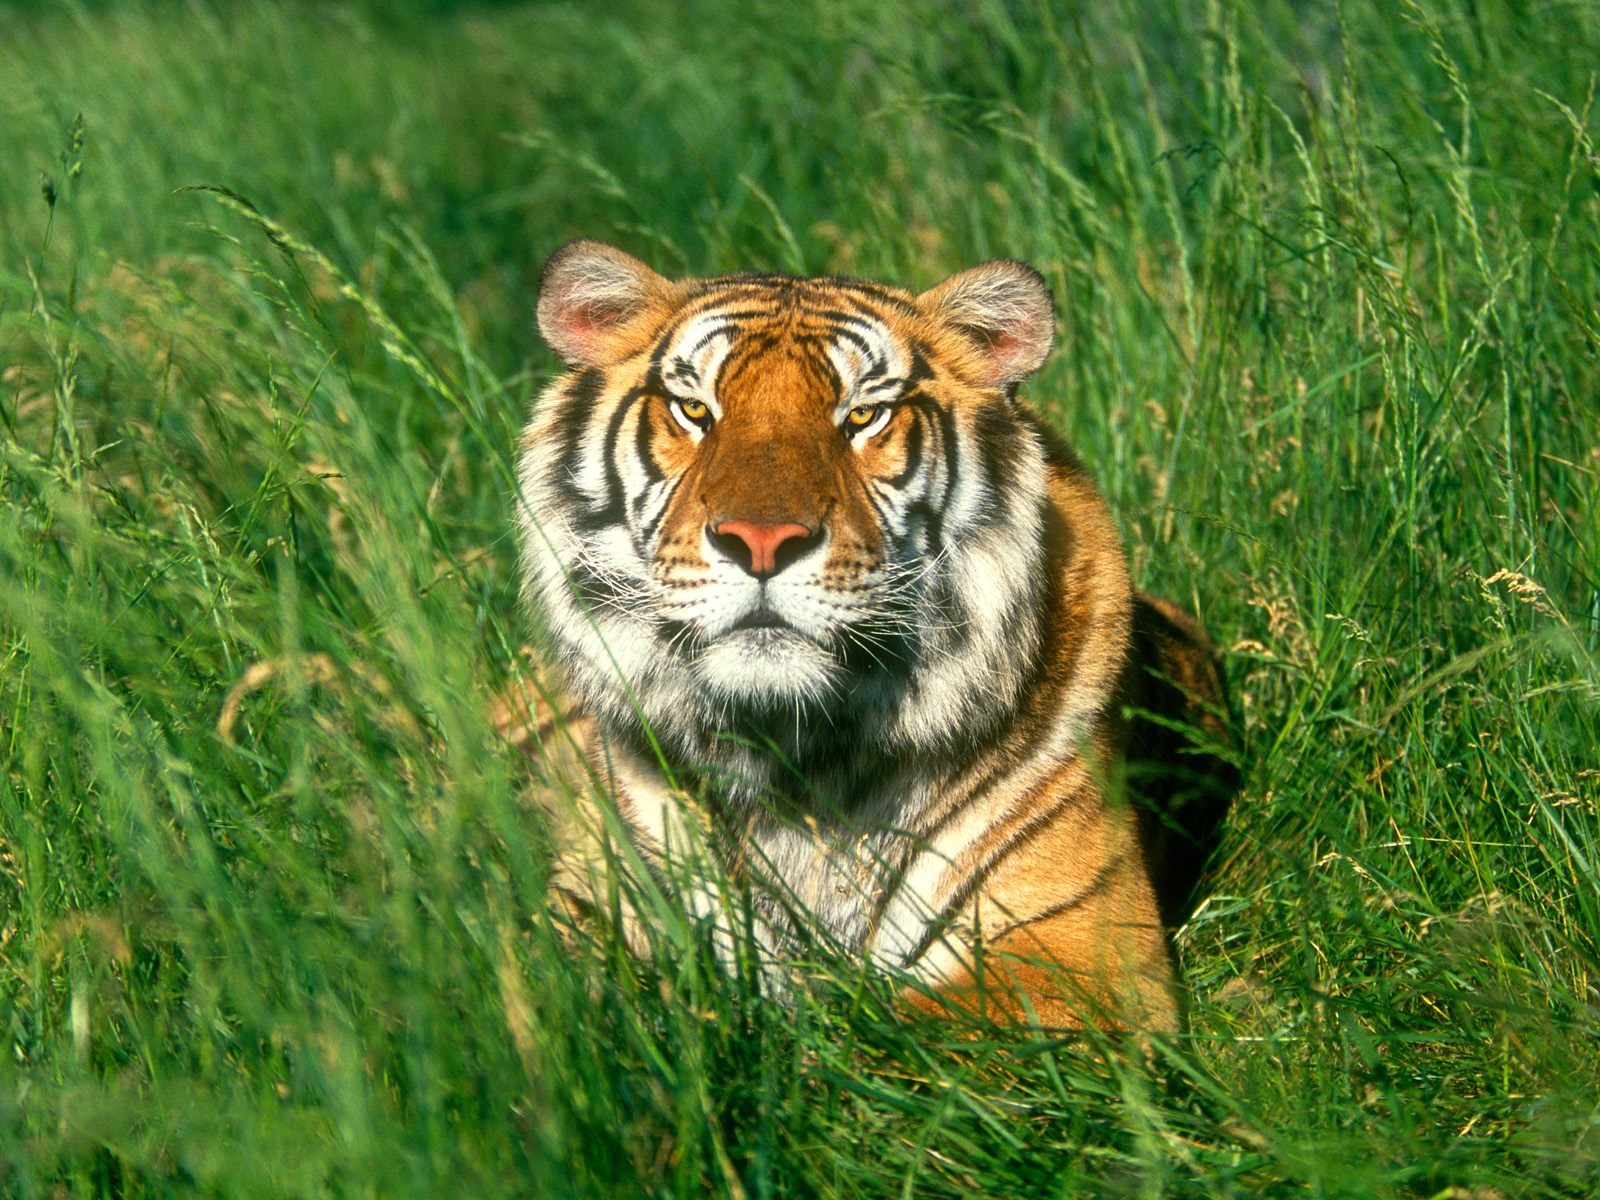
(588, 293)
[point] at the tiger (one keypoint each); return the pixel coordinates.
(832, 604)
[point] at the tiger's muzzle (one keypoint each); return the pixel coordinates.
(764, 548)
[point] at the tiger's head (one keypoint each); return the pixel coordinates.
(802, 503)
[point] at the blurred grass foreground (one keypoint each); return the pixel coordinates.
(272, 915)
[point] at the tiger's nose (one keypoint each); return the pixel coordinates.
(763, 550)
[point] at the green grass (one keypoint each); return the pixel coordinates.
(1329, 280)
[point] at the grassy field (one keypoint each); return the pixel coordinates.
(271, 891)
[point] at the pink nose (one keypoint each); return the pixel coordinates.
(761, 542)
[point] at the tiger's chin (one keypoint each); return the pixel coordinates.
(767, 666)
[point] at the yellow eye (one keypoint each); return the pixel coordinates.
(694, 410)
(862, 415)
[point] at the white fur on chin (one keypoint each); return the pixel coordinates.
(768, 665)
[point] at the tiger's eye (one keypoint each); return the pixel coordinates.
(695, 410)
(862, 415)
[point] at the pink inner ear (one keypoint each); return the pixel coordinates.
(1001, 347)
(583, 321)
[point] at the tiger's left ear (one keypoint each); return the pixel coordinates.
(1004, 306)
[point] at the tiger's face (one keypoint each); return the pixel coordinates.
(759, 494)
(770, 454)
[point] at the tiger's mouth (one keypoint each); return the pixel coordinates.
(762, 617)
(762, 659)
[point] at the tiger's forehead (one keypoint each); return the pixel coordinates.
(851, 338)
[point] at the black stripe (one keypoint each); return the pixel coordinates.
(1056, 451)
(933, 521)
(577, 410)
(729, 317)
(652, 472)
(929, 508)
(914, 442)
(1030, 830)
(752, 344)
(648, 532)
(880, 503)
(920, 372)
(682, 371)
(839, 316)
(850, 335)
(1097, 885)
(729, 325)
(727, 329)
(875, 648)
(611, 511)
(998, 453)
(673, 632)
(877, 291)
(642, 447)
(591, 586)
(791, 289)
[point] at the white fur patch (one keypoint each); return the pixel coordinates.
(770, 665)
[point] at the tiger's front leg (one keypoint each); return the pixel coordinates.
(672, 845)
(1062, 928)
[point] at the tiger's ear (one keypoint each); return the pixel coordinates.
(588, 292)
(1004, 306)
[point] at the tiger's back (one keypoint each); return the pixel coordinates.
(797, 541)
